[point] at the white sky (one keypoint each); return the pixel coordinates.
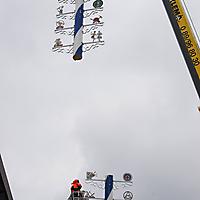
(129, 106)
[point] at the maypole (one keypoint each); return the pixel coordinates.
(81, 27)
(109, 187)
(78, 30)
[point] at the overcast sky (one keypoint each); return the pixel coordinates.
(129, 106)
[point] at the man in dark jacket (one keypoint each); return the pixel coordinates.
(76, 188)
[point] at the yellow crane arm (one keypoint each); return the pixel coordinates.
(186, 38)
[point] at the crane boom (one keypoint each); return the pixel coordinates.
(186, 37)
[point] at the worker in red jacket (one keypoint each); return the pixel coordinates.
(75, 188)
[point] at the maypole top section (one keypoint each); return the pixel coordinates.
(85, 29)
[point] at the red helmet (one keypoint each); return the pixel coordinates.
(75, 181)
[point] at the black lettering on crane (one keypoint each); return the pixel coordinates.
(176, 10)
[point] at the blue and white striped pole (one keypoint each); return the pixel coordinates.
(78, 30)
(109, 188)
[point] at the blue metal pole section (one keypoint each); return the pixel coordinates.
(78, 30)
(109, 187)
